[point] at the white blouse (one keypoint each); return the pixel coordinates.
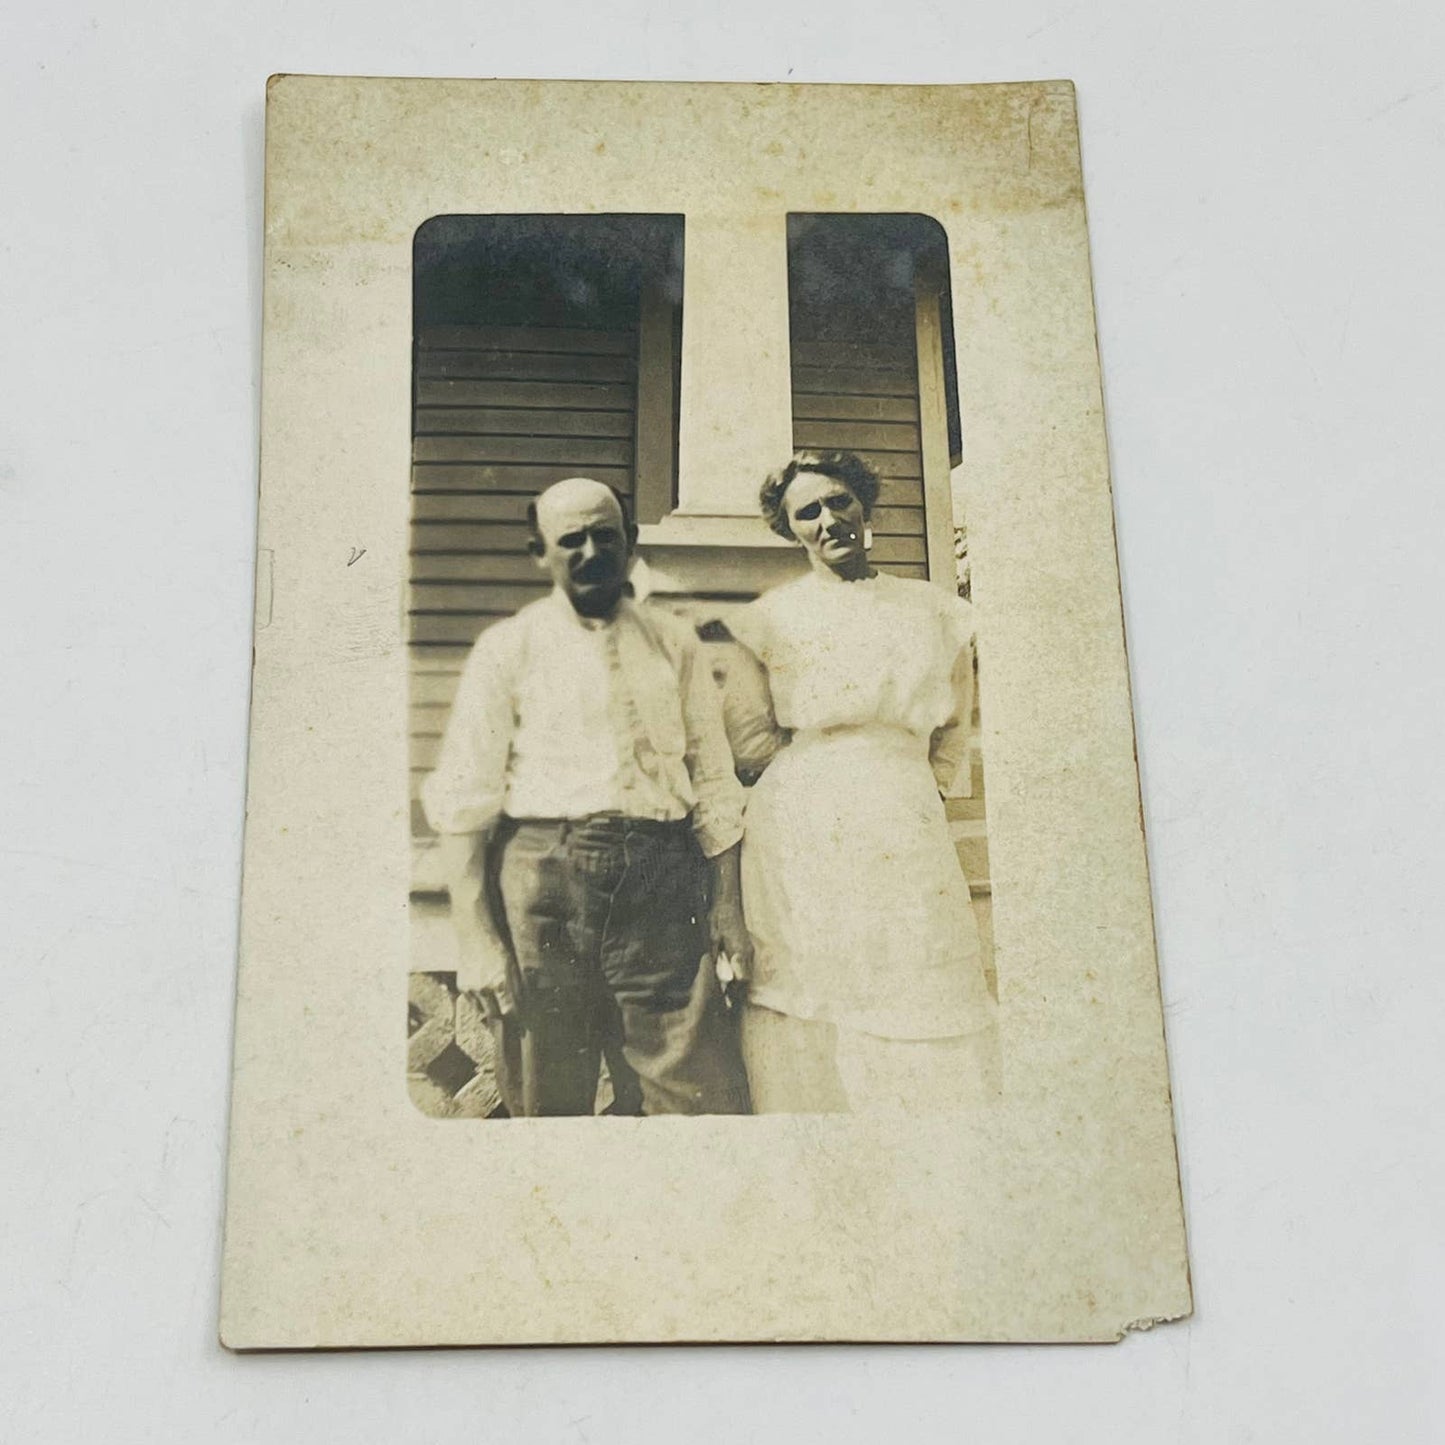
(884, 651)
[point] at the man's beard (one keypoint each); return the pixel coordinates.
(599, 598)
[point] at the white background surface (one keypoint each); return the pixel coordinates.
(1265, 197)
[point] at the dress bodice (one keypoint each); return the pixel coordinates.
(880, 652)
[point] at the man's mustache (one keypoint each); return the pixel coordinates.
(599, 569)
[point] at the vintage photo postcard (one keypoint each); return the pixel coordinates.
(695, 887)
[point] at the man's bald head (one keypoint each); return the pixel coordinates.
(577, 499)
(582, 537)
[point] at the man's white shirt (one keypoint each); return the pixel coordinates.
(561, 716)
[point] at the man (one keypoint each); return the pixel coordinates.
(590, 818)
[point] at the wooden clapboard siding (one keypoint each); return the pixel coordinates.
(428, 538)
(483, 599)
(879, 438)
(808, 406)
(433, 507)
(562, 396)
(490, 448)
(894, 521)
(529, 478)
(459, 629)
(832, 355)
(430, 720)
(532, 340)
(446, 419)
(898, 551)
(433, 689)
(424, 747)
(500, 412)
(902, 493)
(863, 398)
(435, 673)
(439, 662)
(511, 583)
(521, 366)
(852, 381)
(473, 568)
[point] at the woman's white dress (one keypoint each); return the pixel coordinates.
(859, 911)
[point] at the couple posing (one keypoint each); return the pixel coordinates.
(588, 801)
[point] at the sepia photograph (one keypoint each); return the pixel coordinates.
(676, 688)
(692, 814)
(698, 819)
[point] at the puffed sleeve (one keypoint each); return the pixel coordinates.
(752, 626)
(748, 712)
(753, 732)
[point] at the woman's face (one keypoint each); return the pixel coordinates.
(826, 518)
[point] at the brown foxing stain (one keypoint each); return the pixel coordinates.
(555, 1227)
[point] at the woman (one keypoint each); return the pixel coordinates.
(867, 989)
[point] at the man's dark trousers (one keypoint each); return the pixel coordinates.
(606, 917)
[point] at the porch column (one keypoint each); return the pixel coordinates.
(736, 419)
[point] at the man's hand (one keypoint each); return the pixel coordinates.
(729, 935)
(482, 956)
(727, 930)
(482, 966)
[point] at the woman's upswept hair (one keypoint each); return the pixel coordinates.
(846, 467)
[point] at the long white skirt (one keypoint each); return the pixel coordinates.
(808, 1066)
(859, 912)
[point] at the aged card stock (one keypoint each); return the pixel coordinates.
(679, 908)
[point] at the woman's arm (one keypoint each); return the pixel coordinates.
(949, 749)
(752, 729)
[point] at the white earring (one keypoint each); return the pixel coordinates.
(867, 539)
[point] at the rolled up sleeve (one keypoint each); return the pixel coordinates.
(465, 792)
(717, 818)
